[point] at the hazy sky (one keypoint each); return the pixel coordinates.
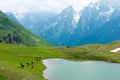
(22, 6)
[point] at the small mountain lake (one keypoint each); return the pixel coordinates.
(60, 69)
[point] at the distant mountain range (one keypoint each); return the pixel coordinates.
(35, 22)
(13, 33)
(96, 23)
(109, 32)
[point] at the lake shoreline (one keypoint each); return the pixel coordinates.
(21, 54)
(46, 63)
(78, 60)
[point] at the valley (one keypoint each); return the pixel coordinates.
(34, 33)
(12, 55)
(92, 24)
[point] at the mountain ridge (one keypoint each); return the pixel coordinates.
(69, 27)
(13, 33)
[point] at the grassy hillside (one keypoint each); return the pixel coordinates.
(12, 55)
(12, 32)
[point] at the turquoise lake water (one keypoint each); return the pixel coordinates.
(60, 69)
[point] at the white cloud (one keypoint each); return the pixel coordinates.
(22, 6)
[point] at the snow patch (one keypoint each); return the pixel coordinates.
(76, 18)
(110, 11)
(54, 24)
(65, 16)
(91, 5)
(97, 6)
(19, 16)
(107, 14)
(115, 50)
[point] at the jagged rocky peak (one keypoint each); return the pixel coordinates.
(70, 8)
(113, 3)
(72, 26)
(91, 5)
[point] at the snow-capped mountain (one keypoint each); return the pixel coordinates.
(102, 19)
(94, 16)
(35, 22)
(109, 32)
(70, 27)
(91, 18)
(62, 26)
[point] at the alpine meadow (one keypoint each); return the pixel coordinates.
(59, 40)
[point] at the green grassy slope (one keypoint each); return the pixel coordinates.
(13, 29)
(12, 55)
(111, 46)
